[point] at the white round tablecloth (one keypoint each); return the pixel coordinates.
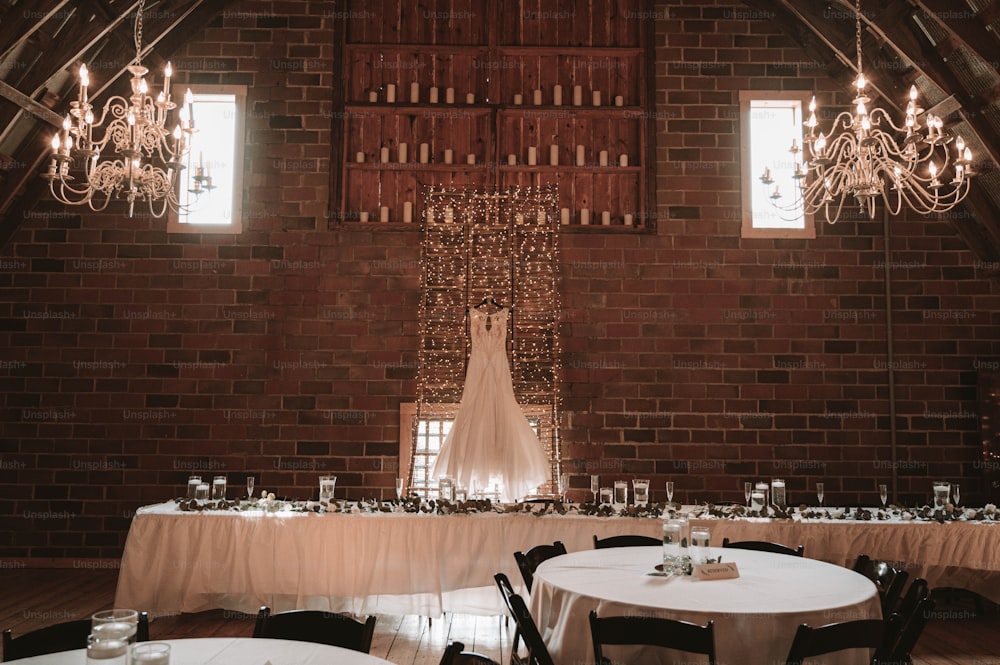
(755, 615)
(233, 651)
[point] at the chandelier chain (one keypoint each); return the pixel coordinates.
(138, 31)
(857, 31)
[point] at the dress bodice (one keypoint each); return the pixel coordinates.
(489, 339)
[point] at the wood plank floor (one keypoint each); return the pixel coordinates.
(32, 598)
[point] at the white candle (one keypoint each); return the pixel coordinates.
(540, 217)
(362, 216)
(447, 155)
(470, 98)
(402, 153)
(564, 216)
(518, 99)
(511, 159)
(581, 157)
(383, 214)
(623, 159)
(577, 95)
(628, 219)
(519, 218)
(619, 100)
(372, 96)
(557, 95)
(603, 158)
(390, 93)
(429, 215)
(554, 155)
(470, 158)
(449, 95)
(536, 97)
(360, 157)
(384, 155)
(449, 215)
(425, 152)
(434, 95)
(407, 211)
(532, 155)
(606, 218)
(414, 92)
(597, 97)
(756, 501)
(585, 216)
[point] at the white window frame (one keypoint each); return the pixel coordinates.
(235, 225)
(750, 175)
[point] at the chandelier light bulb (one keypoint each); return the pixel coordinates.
(55, 143)
(861, 83)
(84, 76)
(967, 155)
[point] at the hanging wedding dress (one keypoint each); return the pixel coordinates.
(491, 440)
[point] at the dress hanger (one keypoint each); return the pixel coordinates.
(490, 300)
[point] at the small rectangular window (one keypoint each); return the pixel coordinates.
(770, 124)
(211, 185)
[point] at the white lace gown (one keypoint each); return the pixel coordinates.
(491, 440)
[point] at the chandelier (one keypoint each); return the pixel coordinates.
(135, 157)
(862, 157)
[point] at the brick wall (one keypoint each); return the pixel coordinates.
(130, 357)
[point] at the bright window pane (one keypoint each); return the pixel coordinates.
(213, 154)
(774, 125)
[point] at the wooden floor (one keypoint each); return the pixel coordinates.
(32, 598)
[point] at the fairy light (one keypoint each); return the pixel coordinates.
(503, 244)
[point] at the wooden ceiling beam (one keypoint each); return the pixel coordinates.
(29, 105)
(971, 32)
(18, 24)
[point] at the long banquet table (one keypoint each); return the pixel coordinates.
(424, 564)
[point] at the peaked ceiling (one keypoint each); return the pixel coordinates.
(949, 49)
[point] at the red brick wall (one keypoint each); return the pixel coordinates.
(130, 357)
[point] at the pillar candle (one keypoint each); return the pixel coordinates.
(449, 215)
(519, 218)
(447, 156)
(619, 100)
(564, 216)
(434, 95)
(577, 95)
(597, 97)
(628, 219)
(537, 97)
(557, 95)
(414, 92)
(384, 155)
(372, 96)
(517, 100)
(362, 216)
(402, 153)
(623, 160)
(360, 157)
(605, 218)
(470, 158)
(429, 215)
(390, 93)
(470, 98)
(603, 158)
(554, 155)
(425, 152)
(407, 211)
(449, 95)
(511, 159)
(383, 214)
(540, 217)
(585, 216)
(581, 158)
(532, 155)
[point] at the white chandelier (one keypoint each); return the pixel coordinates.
(144, 159)
(861, 158)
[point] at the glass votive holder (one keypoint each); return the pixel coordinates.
(192, 485)
(151, 653)
(117, 624)
(201, 492)
(621, 494)
(607, 495)
(701, 550)
(219, 488)
(446, 488)
(778, 492)
(942, 491)
(685, 528)
(671, 542)
(106, 651)
(327, 485)
(640, 490)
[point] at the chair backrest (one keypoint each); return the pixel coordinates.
(912, 627)
(653, 631)
(764, 546)
(455, 654)
(65, 636)
(860, 634)
(528, 561)
(625, 541)
(918, 591)
(889, 581)
(538, 654)
(339, 630)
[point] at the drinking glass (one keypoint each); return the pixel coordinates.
(764, 488)
(819, 493)
(956, 493)
(700, 544)
(621, 494)
(942, 489)
(640, 490)
(670, 491)
(399, 489)
(778, 492)
(563, 485)
(446, 489)
(671, 542)
(193, 482)
(249, 488)
(607, 494)
(327, 485)
(118, 624)
(595, 486)
(461, 495)
(685, 528)
(883, 494)
(219, 488)
(201, 492)
(747, 489)
(106, 651)
(151, 653)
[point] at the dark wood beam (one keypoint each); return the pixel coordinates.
(29, 105)
(20, 23)
(971, 32)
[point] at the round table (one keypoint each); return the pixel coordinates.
(755, 615)
(233, 651)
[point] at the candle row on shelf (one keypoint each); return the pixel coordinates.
(423, 156)
(584, 217)
(537, 96)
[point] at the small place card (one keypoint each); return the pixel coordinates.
(715, 571)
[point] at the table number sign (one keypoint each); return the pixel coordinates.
(716, 571)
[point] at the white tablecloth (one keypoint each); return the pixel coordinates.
(755, 615)
(398, 563)
(234, 651)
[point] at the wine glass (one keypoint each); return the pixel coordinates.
(883, 493)
(747, 487)
(595, 486)
(670, 491)
(249, 488)
(563, 486)
(955, 492)
(399, 489)
(819, 493)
